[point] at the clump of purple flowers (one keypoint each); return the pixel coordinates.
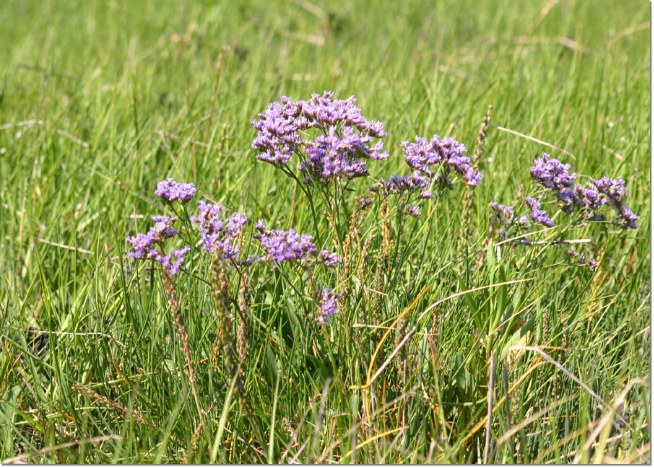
(586, 200)
(433, 163)
(149, 246)
(555, 176)
(289, 246)
(437, 158)
(330, 137)
(612, 192)
(219, 234)
(170, 191)
(328, 305)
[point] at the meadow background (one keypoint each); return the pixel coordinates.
(101, 100)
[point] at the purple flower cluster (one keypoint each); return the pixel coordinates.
(330, 259)
(170, 265)
(537, 214)
(289, 246)
(557, 178)
(169, 191)
(398, 185)
(364, 202)
(328, 305)
(412, 210)
(338, 148)
(149, 246)
(219, 235)
(613, 192)
(446, 153)
(552, 173)
(503, 212)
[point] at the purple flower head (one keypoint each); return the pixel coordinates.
(588, 198)
(537, 214)
(330, 259)
(163, 228)
(613, 192)
(364, 202)
(219, 234)
(413, 210)
(169, 190)
(503, 212)
(591, 263)
(426, 194)
(286, 246)
(278, 131)
(523, 221)
(171, 265)
(332, 157)
(328, 305)
(331, 137)
(149, 246)
(446, 153)
(552, 173)
(397, 185)
(612, 189)
(628, 217)
(143, 245)
(248, 261)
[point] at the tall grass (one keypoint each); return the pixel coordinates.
(471, 352)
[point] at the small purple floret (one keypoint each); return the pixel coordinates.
(537, 214)
(330, 259)
(328, 305)
(502, 211)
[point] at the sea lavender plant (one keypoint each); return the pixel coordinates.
(582, 203)
(433, 162)
(150, 246)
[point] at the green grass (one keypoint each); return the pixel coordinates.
(114, 96)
